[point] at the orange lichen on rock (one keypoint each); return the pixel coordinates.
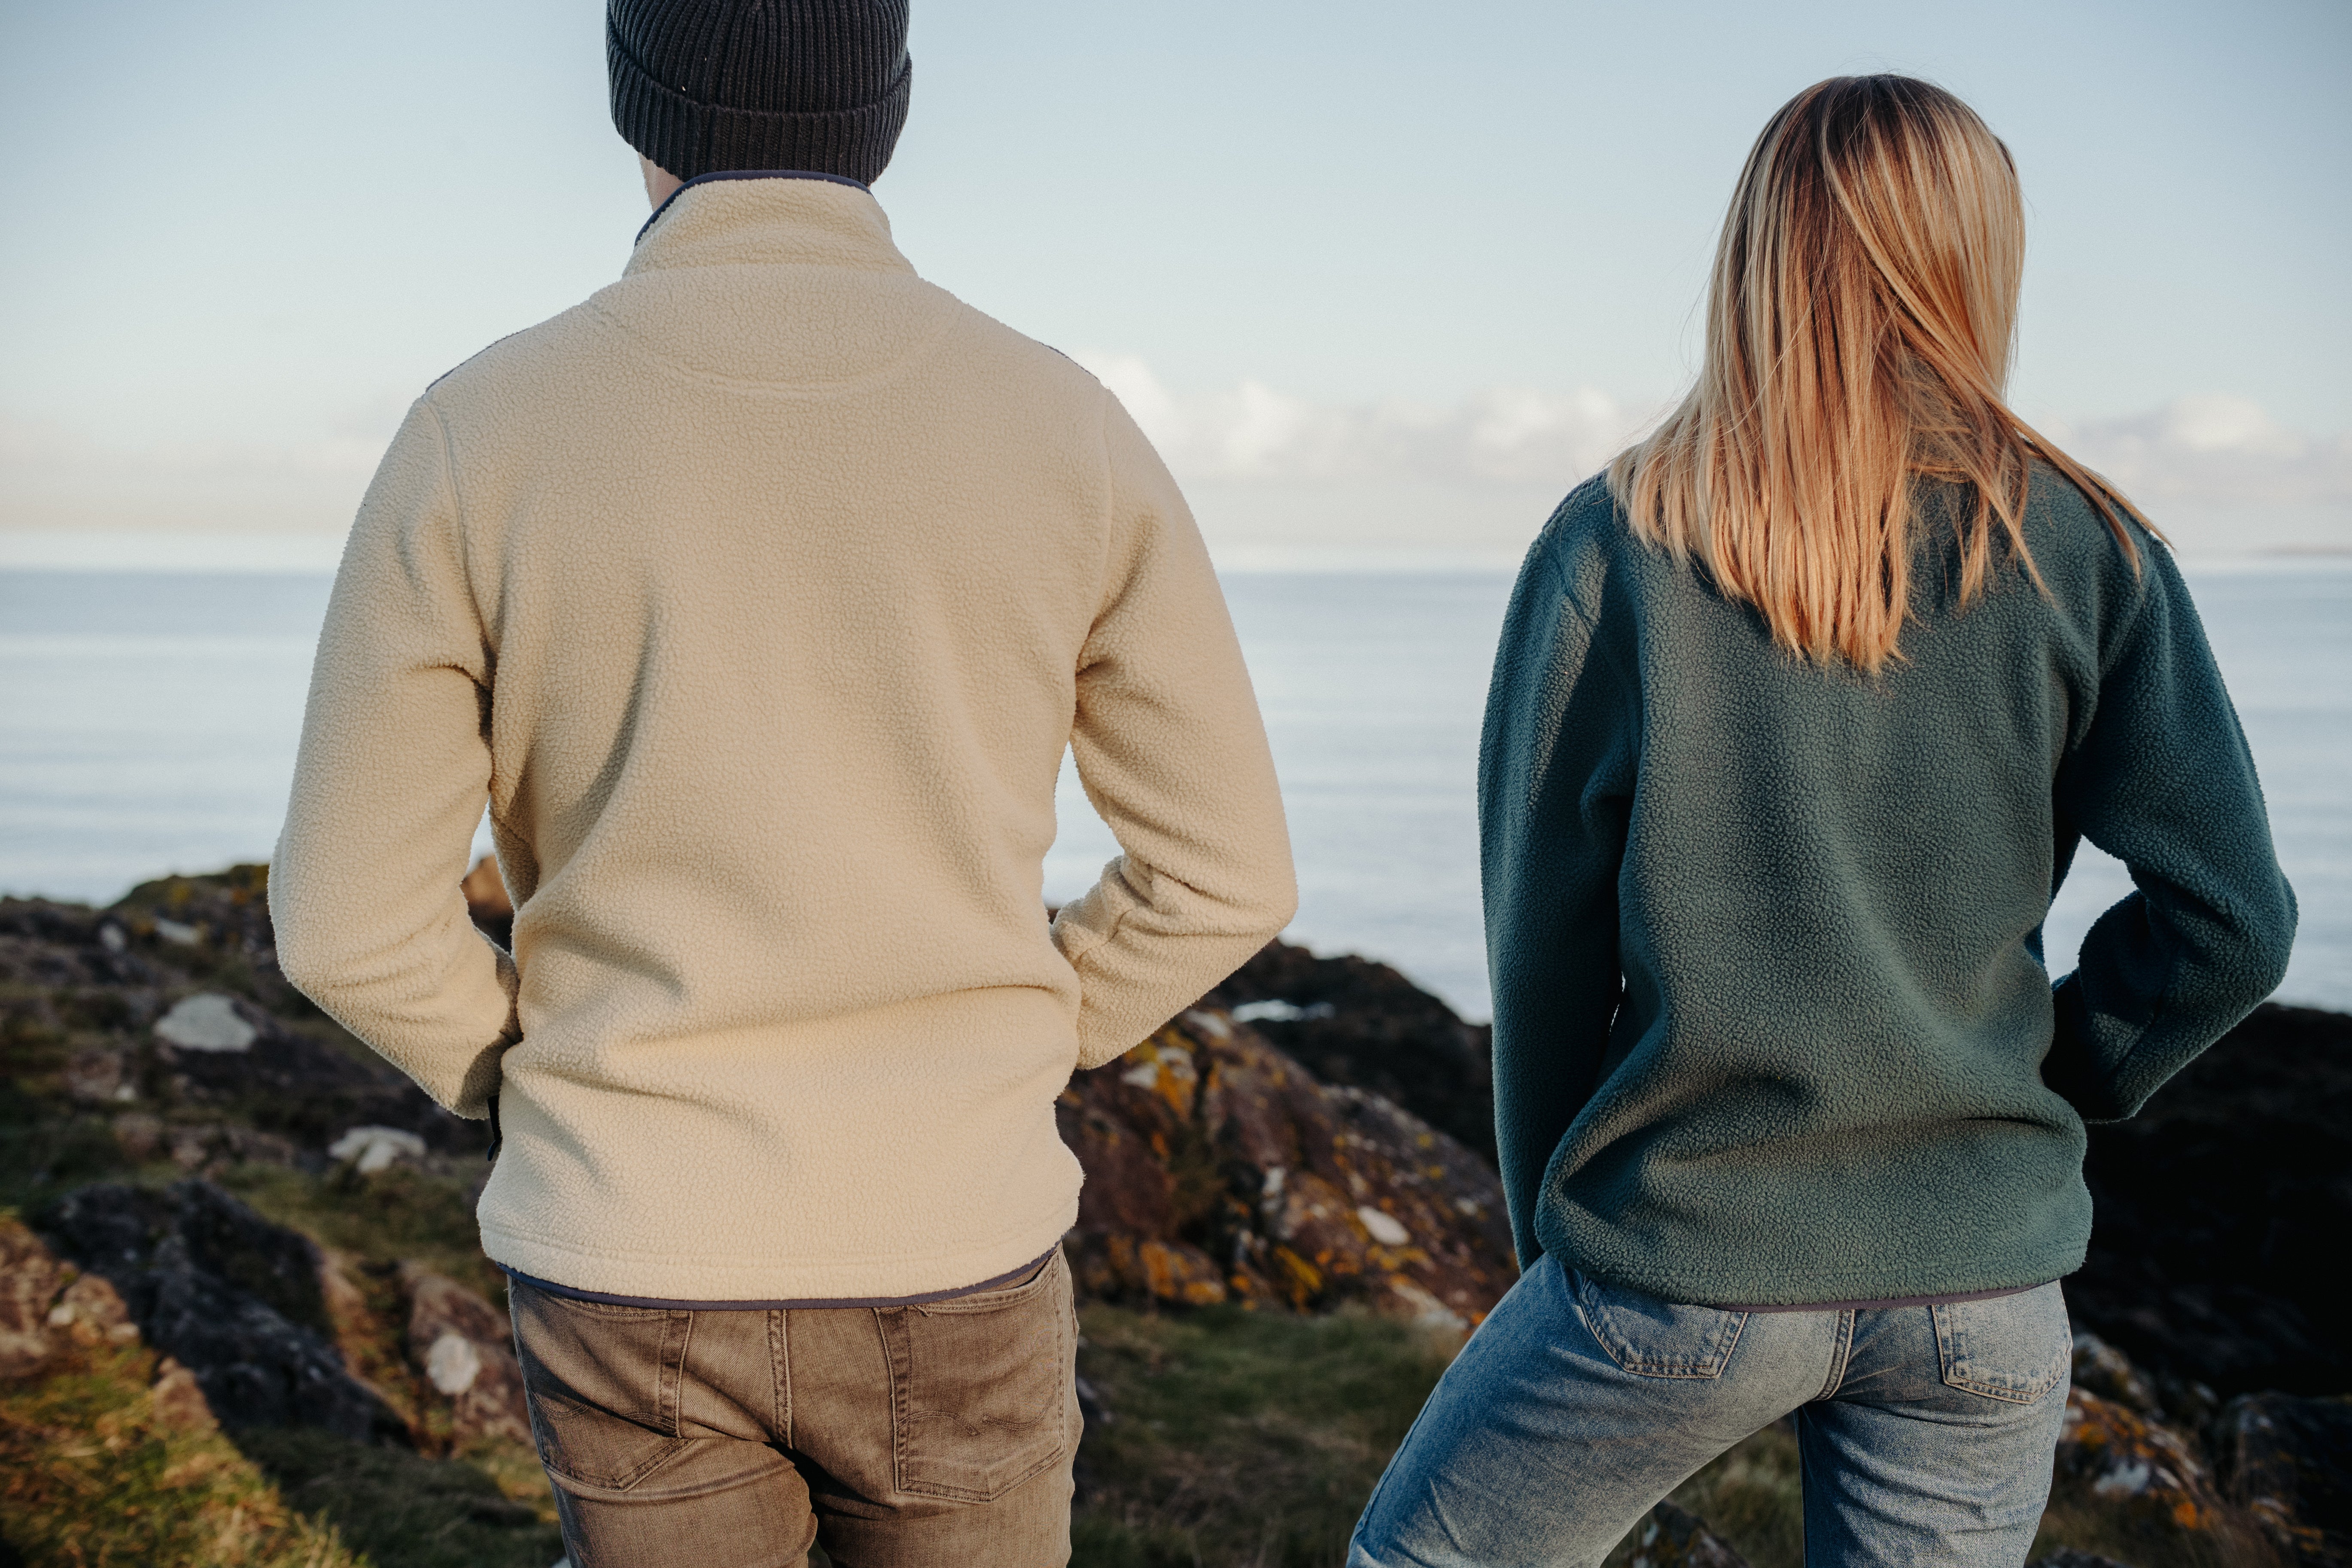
(1219, 1169)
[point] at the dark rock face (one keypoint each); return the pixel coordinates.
(92, 1004)
(290, 1083)
(1350, 1021)
(234, 1299)
(2223, 1210)
(2290, 1461)
(1217, 1168)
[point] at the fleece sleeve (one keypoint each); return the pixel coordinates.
(1555, 784)
(1170, 750)
(391, 779)
(2162, 780)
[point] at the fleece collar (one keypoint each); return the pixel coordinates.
(746, 174)
(764, 217)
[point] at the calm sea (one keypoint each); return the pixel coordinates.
(148, 723)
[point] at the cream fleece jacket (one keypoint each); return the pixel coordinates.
(760, 595)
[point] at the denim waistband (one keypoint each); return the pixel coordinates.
(1890, 1301)
(1011, 1277)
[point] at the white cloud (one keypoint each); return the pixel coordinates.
(2219, 475)
(54, 477)
(1506, 435)
(2213, 449)
(1265, 470)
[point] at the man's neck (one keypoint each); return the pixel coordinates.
(660, 184)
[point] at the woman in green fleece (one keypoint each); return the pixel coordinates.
(1799, 715)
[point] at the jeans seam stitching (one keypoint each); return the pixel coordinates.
(674, 1396)
(1841, 1353)
(780, 1354)
(894, 1366)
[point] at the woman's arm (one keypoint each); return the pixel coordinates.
(1556, 770)
(2162, 780)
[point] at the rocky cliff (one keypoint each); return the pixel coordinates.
(1313, 1136)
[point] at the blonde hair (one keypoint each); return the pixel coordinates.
(1860, 320)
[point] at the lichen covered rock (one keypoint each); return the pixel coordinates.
(232, 1298)
(462, 1348)
(1217, 1169)
(2290, 1464)
(2140, 1466)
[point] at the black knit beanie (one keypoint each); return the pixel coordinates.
(705, 85)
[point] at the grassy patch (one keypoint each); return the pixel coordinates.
(1751, 1498)
(2078, 1518)
(394, 1215)
(1241, 1440)
(89, 1478)
(486, 1508)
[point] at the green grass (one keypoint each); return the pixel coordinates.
(89, 1478)
(1751, 1498)
(487, 1508)
(396, 1215)
(2228, 1539)
(1252, 1440)
(1239, 1438)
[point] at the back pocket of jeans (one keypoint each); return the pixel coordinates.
(603, 1385)
(1651, 1337)
(2012, 1347)
(980, 1387)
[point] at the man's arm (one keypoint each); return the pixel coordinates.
(1173, 756)
(393, 770)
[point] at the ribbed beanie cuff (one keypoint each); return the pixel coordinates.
(754, 119)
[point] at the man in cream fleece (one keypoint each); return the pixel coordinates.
(759, 596)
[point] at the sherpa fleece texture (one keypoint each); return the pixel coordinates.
(1771, 1020)
(760, 595)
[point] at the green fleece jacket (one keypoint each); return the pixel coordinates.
(1772, 1022)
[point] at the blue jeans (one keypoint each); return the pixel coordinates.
(1925, 1433)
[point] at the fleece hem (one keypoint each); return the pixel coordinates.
(723, 1279)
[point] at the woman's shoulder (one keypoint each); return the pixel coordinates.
(2088, 548)
(1584, 540)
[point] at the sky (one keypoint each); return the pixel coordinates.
(1374, 276)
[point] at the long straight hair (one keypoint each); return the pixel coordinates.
(1860, 324)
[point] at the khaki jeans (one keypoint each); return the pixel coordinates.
(895, 1437)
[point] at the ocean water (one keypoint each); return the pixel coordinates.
(148, 721)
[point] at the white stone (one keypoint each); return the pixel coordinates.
(2128, 1478)
(1425, 1310)
(178, 931)
(205, 1022)
(1384, 1228)
(1209, 1024)
(111, 938)
(1279, 1012)
(376, 1147)
(453, 1363)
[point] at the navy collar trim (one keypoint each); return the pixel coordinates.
(747, 174)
